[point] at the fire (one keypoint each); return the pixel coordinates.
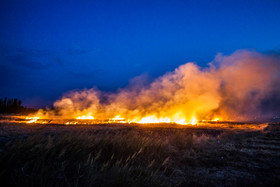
(151, 119)
(193, 121)
(32, 119)
(118, 119)
(181, 122)
(71, 123)
(232, 88)
(154, 119)
(85, 117)
(216, 119)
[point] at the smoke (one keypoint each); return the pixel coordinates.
(241, 86)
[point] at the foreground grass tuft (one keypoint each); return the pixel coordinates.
(85, 159)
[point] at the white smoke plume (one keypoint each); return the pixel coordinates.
(241, 86)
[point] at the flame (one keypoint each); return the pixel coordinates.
(71, 123)
(153, 119)
(193, 121)
(85, 117)
(216, 119)
(181, 122)
(32, 119)
(117, 119)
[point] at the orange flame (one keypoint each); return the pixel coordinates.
(32, 119)
(85, 117)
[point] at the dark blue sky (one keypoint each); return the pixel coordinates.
(50, 47)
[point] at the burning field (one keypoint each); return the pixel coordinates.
(243, 86)
(193, 126)
(139, 93)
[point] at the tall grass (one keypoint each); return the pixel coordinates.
(81, 159)
(125, 156)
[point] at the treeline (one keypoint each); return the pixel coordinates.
(8, 106)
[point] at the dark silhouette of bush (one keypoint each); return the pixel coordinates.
(8, 106)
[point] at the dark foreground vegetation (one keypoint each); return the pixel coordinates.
(115, 155)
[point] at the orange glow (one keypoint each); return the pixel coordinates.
(118, 119)
(193, 121)
(32, 119)
(216, 119)
(85, 117)
(153, 119)
(71, 123)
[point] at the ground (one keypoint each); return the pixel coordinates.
(133, 155)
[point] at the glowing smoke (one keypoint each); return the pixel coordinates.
(236, 87)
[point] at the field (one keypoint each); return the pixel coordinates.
(134, 155)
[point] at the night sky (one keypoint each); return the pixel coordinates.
(50, 47)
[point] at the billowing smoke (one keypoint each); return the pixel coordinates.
(242, 86)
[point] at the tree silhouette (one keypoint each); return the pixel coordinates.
(13, 106)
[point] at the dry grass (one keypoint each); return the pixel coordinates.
(115, 155)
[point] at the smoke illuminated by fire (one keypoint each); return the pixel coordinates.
(235, 87)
